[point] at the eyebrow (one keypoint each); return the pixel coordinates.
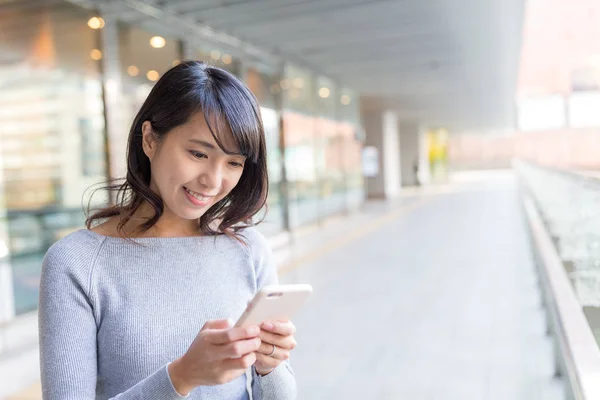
(212, 146)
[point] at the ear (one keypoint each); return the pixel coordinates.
(149, 142)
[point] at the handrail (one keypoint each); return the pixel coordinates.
(570, 173)
(579, 354)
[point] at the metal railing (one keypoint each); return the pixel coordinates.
(577, 352)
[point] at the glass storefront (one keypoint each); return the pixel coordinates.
(219, 58)
(263, 85)
(52, 136)
(351, 137)
(300, 156)
(144, 58)
(53, 141)
(322, 147)
(329, 151)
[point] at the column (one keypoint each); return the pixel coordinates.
(117, 127)
(414, 154)
(381, 128)
(187, 50)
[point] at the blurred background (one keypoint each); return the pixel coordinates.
(434, 173)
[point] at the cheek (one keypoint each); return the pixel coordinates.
(170, 174)
(230, 181)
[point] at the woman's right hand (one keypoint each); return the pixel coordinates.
(219, 354)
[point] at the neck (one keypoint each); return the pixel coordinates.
(168, 225)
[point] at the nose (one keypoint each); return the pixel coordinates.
(211, 177)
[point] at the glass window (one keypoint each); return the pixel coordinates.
(300, 157)
(261, 84)
(219, 58)
(144, 58)
(298, 87)
(329, 150)
(351, 138)
(52, 132)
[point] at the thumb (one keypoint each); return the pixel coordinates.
(217, 324)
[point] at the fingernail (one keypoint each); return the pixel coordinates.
(268, 326)
(253, 330)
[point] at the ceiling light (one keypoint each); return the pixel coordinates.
(299, 83)
(96, 23)
(152, 75)
(96, 54)
(132, 70)
(227, 59)
(158, 42)
(345, 99)
(324, 92)
(215, 54)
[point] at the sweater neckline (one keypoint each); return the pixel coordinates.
(150, 239)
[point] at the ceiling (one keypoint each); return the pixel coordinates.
(452, 63)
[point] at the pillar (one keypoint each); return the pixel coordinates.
(414, 151)
(381, 128)
(117, 126)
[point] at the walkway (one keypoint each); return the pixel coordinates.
(441, 303)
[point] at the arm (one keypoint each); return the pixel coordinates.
(67, 330)
(280, 384)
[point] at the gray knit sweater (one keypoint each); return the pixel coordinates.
(113, 314)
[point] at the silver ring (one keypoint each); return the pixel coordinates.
(273, 352)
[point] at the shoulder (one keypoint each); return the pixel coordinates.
(257, 245)
(262, 256)
(75, 252)
(254, 240)
(251, 235)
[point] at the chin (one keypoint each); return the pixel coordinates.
(191, 215)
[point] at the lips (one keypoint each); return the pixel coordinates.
(197, 195)
(196, 198)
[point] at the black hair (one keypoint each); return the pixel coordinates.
(227, 105)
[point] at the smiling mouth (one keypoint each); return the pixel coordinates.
(197, 196)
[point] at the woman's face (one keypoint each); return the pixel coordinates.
(189, 171)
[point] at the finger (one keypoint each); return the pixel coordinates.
(286, 342)
(240, 348)
(223, 336)
(266, 362)
(266, 348)
(279, 354)
(218, 324)
(284, 328)
(243, 362)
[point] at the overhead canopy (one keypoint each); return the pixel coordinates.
(446, 62)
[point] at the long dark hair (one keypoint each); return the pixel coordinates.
(227, 104)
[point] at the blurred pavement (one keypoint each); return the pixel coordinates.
(438, 303)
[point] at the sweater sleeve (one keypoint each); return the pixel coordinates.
(280, 384)
(67, 329)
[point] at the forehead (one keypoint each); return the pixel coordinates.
(198, 128)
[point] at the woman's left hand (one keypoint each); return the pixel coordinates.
(277, 343)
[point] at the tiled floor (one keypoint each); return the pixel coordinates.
(430, 297)
(441, 303)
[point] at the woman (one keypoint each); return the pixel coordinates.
(137, 306)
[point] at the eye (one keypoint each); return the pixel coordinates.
(236, 164)
(197, 154)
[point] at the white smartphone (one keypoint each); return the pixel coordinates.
(275, 303)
